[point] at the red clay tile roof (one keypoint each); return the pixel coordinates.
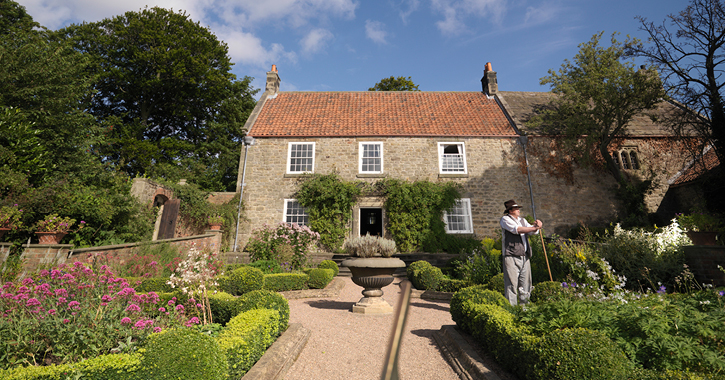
(371, 113)
(694, 171)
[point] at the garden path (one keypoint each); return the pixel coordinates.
(347, 345)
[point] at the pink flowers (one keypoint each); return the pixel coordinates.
(192, 321)
(125, 320)
(74, 305)
(133, 308)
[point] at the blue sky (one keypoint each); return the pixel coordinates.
(349, 45)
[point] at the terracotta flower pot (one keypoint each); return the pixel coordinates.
(373, 273)
(702, 238)
(215, 227)
(50, 237)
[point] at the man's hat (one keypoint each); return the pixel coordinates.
(510, 205)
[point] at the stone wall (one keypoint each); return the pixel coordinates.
(703, 261)
(40, 256)
(496, 173)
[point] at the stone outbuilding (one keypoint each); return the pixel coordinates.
(473, 138)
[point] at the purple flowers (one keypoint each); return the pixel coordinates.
(662, 289)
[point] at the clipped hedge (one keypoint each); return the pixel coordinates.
(243, 280)
(452, 285)
(282, 282)
(246, 338)
(548, 290)
(496, 283)
(424, 276)
(473, 295)
(224, 307)
(320, 277)
(329, 264)
(104, 367)
(266, 299)
(578, 354)
(183, 353)
(149, 284)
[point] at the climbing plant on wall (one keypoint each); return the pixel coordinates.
(328, 201)
(415, 212)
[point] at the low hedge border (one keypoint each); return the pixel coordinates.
(281, 282)
(110, 367)
(318, 278)
(246, 338)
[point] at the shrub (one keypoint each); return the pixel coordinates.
(224, 306)
(496, 283)
(104, 367)
(265, 299)
(481, 263)
(282, 282)
(246, 337)
(285, 243)
(319, 278)
(370, 246)
(424, 276)
(150, 284)
(545, 291)
(243, 280)
(183, 353)
(267, 266)
(578, 354)
(452, 285)
(477, 294)
(329, 264)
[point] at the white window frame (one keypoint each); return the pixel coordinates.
(289, 158)
(441, 148)
(361, 151)
(465, 205)
(304, 213)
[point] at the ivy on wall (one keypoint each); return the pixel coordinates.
(328, 200)
(415, 213)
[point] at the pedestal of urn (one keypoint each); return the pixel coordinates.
(373, 274)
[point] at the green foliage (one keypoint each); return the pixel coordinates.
(104, 367)
(329, 264)
(700, 221)
(243, 280)
(320, 277)
(246, 338)
(224, 306)
(370, 246)
(183, 354)
(496, 283)
(452, 285)
(281, 282)
(477, 294)
(267, 266)
(265, 299)
(545, 291)
(328, 200)
(150, 284)
(288, 244)
(165, 83)
(573, 354)
(415, 211)
(395, 84)
(424, 276)
(481, 263)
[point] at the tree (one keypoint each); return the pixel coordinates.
(690, 54)
(164, 83)
(598, 96)
(395, 84)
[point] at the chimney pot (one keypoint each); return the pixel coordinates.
(488, 67)
(489, 81)
(273, 81)
(274, 68)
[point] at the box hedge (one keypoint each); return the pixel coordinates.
(265, 299)
(548, 290)
(246, 338)
(267, 266)
(183, 353)
(281, 282)
(329, 264)
(320, 277)
(243, 280)
(104, 367)
(424, 276)
(149, 284)
(224, 307)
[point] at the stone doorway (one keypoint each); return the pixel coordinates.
(371, 221)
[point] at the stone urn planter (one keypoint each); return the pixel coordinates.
(373, 274)
(50, 237)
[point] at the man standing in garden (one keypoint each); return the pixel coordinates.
(516, 252)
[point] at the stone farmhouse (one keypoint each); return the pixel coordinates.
(473, 138)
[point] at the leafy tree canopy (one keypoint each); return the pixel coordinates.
(688, 49)
(164, 83)
(395, 84)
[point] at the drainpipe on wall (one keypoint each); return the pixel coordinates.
(524, 140)
(248, 141)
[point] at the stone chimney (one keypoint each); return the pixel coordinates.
(489, 82)
(272, 81)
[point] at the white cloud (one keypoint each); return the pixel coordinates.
(295, 12)
(315, 41)
(412, 7)
(456, 11)
(247, 49)
(375, 30)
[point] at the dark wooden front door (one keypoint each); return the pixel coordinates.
(371, 221)
(167, 226)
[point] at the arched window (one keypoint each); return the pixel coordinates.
(634, 161)
(615, 158)
(625, 161)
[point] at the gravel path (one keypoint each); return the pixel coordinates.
(346, 345)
